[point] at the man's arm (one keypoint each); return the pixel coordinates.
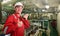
(9, 27)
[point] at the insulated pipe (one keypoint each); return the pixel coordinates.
(58, 20)
(58, 23)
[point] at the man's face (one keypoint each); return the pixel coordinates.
(18, 9)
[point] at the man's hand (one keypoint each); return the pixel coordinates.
(25, 16)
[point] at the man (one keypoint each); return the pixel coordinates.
(15, 24)
(53, 28)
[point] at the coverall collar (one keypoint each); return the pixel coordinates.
(17, 15)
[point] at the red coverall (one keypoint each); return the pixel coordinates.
(13, 28)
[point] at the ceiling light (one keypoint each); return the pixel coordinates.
(5, 1)
(43, 10)
(47, 6)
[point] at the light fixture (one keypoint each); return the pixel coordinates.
(5, 1)
(43, 10)
(47, 6)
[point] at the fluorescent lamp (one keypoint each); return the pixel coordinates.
(5, 1)
(47, 6)
(43, 10)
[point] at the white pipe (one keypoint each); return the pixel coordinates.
(58, 23)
